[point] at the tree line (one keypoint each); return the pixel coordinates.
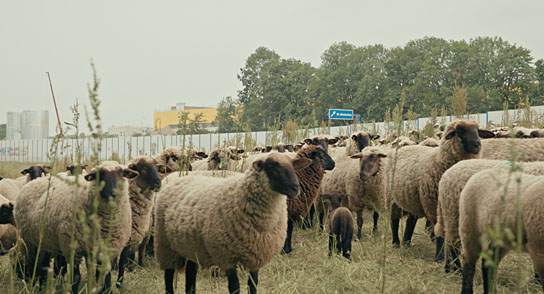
(491, 74)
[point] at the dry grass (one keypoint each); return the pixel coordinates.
(308, 269)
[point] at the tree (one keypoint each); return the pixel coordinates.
(228, 117)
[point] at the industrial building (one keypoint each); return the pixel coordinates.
(170, 117)
(28, 124)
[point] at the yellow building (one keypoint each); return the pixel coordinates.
(170, 117)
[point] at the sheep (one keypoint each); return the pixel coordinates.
(280, 147)
(510, 202)
(175, 159)
(141, 192)
(310, 179)
(340, 224)
(8, 233)
(501, 149)
(403, 141)
(9, 188)
(76, 169)
(346, 178)
(67, 196)
(419, 169)
(32, 173)
(240, 220)
(451, 184)
(323, 141)
(357, 142)
(430, 142)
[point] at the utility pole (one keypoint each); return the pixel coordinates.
(55, 103)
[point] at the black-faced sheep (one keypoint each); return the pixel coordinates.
(340, 224)
(419, 169)
(32, 173)
(310, 179)
(323, 141)
(105, 194)
(227, 222)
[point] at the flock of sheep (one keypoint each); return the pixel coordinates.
(231, 209)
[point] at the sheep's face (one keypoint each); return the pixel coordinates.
(6, 213)
(219, 159)
(537, 134)
(290, 148)
(369, 164)
(324, 142)
(280, 171)
(320, 154)
(75, 169)
(108, 179)
(280, 148)
(35, 171)
(469, 134)
(148, 175)
(362, 139)
(335, 198)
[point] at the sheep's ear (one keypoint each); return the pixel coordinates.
(25, 171)
(133, 166)
(357, 156)
(258, 165)
(354, 137)
(450, 134)
(240, 151)
(382, 155)
(308, 141)
(90, 176)
(129, 173)
(375, 137)
(46, 167)
(325, 196)
(485, 134)
(300, 163)
(201, 154)
(333, 141)
(1, 178)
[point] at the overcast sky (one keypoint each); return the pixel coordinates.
(152, 54)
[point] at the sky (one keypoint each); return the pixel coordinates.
(151, 54)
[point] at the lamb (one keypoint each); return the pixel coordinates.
(451, 184)
(340, 224)
(32, 173)
(516, 201)
(419, 169)
(8, 233)
(238, 221)
(500, 149)
(310, 179)
(105, 184)
(141, 192)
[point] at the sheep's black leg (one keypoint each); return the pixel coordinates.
(190, 277)
(429, 229)
(76, 278)
(375, 217)
(123, 259)
(331, 244)
(60, 265)
(42, 268)
(468, 277)
(338, 244)
(321, 216)
(253, 281)
(409, 231)
(141, 250)
(452, 259)
(150, 248)
(169, 280)
(234, 284)
(439, 253)
(489, 271)
(131, 260)
(347, 246)
(287, 245)
(107, 283)
(395, 231)
(359, 223)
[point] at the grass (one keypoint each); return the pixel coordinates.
(308, 269)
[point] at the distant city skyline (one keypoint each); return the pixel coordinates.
(152, 55)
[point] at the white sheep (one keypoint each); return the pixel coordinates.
(50, 204)
(240, 220)
(501, 149)
(500, 210)
(419, 169)
(451, 184)
(8, 233)
(9, 188)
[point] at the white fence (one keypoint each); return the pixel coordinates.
(126, 147)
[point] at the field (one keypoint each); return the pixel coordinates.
(308, 269)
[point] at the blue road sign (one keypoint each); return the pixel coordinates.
(341, 114)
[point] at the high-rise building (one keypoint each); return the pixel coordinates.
(29, 124)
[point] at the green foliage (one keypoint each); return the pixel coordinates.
(190, 126)
(490, 71)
